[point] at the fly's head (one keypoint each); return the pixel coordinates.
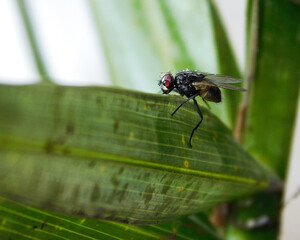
(166, 82)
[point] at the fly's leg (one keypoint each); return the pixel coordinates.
(201, 118)
(206, 103)
(184, 103)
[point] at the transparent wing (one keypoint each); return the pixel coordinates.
(217, 78)
(231, 87)
(204, 83)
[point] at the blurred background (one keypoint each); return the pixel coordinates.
(75, 51)
(128, 44)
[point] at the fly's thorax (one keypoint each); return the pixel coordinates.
(184, 85)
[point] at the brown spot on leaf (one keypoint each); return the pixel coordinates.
(182, 140)
(186, 163)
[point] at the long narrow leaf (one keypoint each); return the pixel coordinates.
(39, 61)
(275, 88)
(19, 221)
(116, 154)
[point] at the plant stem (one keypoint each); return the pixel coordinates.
(250, 69)
(41, 68)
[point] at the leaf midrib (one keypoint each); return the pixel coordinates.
(34, 145)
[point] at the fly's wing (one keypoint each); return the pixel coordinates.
(231, 87)
(204, 83)
(217, 78)
(223, 80)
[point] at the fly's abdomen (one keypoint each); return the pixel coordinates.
(213, 94)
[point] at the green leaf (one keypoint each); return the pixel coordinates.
(275, 87)
(227, 65)
(19, 221)
(116, 154)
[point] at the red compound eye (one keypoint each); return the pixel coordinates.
(167, 83)
(167, 80)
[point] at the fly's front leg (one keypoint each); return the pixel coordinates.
(201, 118)
(184, 103)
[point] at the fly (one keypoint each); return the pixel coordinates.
(192, 84)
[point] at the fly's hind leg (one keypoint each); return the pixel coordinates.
(201, 118)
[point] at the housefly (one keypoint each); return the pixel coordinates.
(193, 83)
